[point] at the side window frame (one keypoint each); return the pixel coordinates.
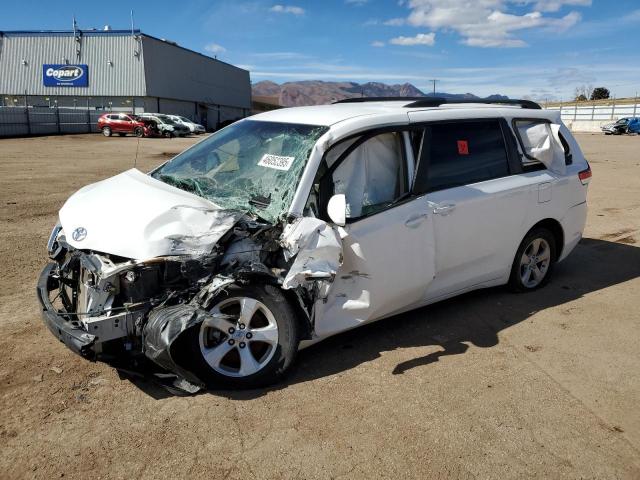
(326, 180)
(514, 165)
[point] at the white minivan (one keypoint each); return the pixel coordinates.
(296, 224)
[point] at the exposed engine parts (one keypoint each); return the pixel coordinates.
(110, 305)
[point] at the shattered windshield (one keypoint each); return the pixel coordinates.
(249, 166)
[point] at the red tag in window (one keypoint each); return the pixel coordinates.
(463, 147)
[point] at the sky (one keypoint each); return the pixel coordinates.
(540, 49)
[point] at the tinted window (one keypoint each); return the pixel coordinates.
(461, 153)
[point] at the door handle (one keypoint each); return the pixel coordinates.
(444, 209)
(414, 220)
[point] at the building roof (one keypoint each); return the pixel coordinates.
(100, 33)
(66, 33)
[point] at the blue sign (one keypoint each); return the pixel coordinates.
(65, 75)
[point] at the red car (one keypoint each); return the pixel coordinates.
(120, 123)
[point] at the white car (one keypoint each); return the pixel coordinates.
(192, 126)
(297, 224)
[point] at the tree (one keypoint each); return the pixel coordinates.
(582, 93)
(600, 93)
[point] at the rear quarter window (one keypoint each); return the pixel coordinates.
(531, 135)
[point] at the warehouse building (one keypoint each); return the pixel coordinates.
(117, 70)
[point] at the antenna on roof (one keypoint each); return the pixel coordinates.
(132, 29)
(75, 26)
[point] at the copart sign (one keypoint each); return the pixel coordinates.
(65, 75)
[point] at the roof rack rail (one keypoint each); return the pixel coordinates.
(437, 101)
(378, 99)
(425, 102)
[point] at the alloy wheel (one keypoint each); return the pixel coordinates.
(534, 263)
(240, 337)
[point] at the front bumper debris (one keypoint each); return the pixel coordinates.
(67, 331)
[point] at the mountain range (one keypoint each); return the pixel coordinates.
(317, 92)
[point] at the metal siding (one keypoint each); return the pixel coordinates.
(177, 73)
(124, 78)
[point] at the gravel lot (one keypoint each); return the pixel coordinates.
(488, 385)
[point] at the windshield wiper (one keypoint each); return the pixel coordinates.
(260, 201)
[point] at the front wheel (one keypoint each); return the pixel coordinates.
(139, 132)
(106, 131)
(250, 342)
(534, 261)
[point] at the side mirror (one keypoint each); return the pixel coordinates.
(337, 209)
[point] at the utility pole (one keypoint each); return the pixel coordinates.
(434, 80)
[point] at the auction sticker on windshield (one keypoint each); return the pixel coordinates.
(276, 161)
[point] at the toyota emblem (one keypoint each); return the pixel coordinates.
(79, 234)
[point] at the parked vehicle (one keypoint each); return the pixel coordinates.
(622, 126)
(633, 127)
(151, 127)
(297, 224)
(193, 127)
(166, 126)
(120, 123)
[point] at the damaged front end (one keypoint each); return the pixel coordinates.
(139, 260)
(106, 307)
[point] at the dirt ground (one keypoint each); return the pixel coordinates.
(488, 385)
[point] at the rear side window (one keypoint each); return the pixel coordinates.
(460, 153)
(536, 142)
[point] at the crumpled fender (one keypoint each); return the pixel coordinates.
(317, 249)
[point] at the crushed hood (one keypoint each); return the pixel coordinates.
(136, 216)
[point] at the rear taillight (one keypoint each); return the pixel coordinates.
(585, 176)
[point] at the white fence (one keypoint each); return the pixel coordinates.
(597, 112)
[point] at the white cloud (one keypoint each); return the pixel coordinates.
(394, 22)
(377, 44)
(632, 17)
(287, 9)
(555, 5)
(488, 23)
(419, 39)
(215, 48)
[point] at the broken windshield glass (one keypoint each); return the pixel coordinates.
(249, 166)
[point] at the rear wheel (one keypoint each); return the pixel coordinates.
(139, 132)
(251, 341)
(534, 261)
(106, 131)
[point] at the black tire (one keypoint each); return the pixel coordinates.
(139, 132)
(282, 357)
(168, 134)
(106, 131)
(516, 282)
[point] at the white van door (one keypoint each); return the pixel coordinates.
(479, 208)
(388, 243)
